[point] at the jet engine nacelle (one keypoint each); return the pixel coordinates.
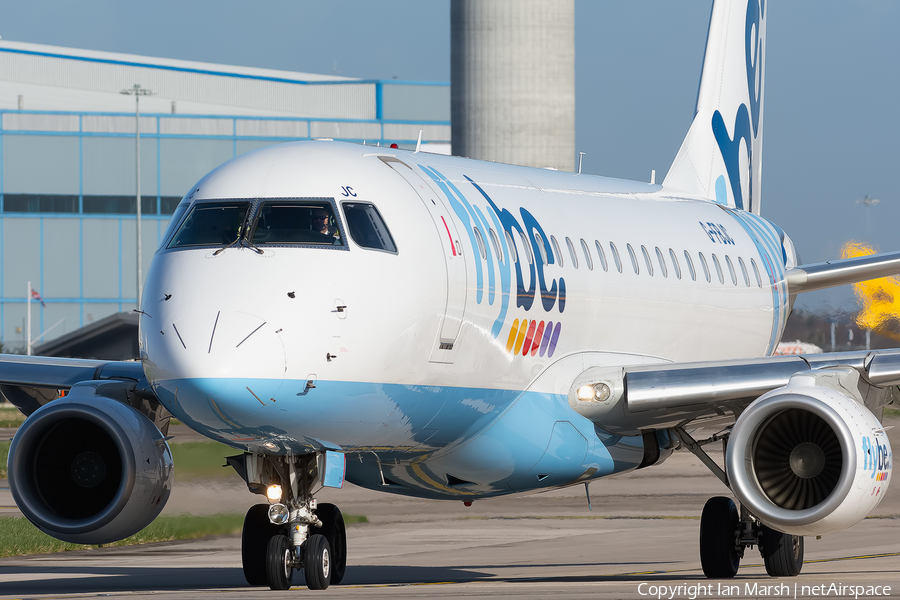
(809, 458)
(89, 469)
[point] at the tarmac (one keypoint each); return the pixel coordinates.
(639, 541)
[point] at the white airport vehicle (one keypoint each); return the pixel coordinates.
(446, 328)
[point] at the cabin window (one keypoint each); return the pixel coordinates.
(601, 255)
(495, 242)
(731, 270)
(705, 267)
(718, 268)
(556, 251)
(572, 252)
(587, 256)
(212, 224)
(526, 247)
(744, 271)
(367, 228)
(540, 245)
(513, 255)
(690, 265)
(278, 222)
(662, 263)
(615, 253)
(756, 272)
(480, 241)
(647, 260)
(634, 263)
(675, 264)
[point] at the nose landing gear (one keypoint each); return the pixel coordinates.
(293, 533)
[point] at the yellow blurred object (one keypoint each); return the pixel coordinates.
(880, 298)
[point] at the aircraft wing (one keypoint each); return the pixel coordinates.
(689, 394)
(29, 382)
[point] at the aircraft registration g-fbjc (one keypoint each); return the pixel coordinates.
(453, 329)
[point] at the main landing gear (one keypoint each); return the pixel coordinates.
(725, 531)
(294, 532)
(724, 535)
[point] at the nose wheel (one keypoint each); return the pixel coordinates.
(295, 533)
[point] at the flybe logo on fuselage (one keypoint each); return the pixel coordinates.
(549, 293)
(876, 458)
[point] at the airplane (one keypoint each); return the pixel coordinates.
(448, 328)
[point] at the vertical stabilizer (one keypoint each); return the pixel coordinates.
(721, 157)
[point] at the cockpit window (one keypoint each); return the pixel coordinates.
(279, 222)
(366, 227)
(211, 224)
(173, 222)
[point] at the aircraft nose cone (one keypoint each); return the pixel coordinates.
(225, 362)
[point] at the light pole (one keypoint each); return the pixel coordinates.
(137, 91)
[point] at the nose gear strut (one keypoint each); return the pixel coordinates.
(295, 531)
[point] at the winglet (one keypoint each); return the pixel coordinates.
(721, 156)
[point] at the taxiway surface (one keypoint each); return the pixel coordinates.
(642, 532)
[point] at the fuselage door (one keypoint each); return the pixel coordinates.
(445, 229)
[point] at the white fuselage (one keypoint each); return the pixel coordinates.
(413, 352)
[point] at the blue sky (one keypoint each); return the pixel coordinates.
(831, 121)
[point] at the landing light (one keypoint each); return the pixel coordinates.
(598, 392)
(279, 514)
(273, 493)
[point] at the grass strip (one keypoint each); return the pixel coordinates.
(18, 536)
(4, 454)
(11, 417)
(202, 460)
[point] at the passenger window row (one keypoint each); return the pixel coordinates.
(735, 275)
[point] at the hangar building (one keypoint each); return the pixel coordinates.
(67, 160)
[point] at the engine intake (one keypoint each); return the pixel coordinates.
(805, 458)
(88, 469)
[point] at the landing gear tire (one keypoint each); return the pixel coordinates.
(334, 531)
(279, 563)
(719, 525)
(257, 532)
(317, 562)
(782, 553)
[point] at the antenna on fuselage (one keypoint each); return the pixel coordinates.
(580, 157)
(652, 176)
(419, 142)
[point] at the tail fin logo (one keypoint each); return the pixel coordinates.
(746, 123)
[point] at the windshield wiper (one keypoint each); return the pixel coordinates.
(224, 248)
(241, 232)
